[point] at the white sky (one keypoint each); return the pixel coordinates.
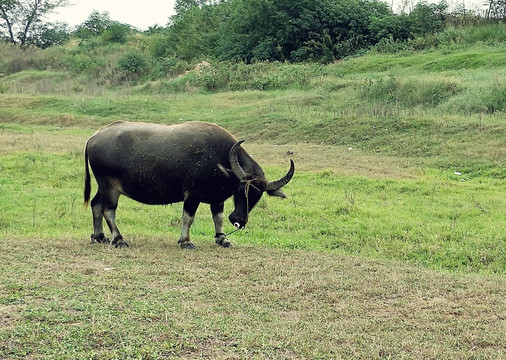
(146, 13)
(141, 14)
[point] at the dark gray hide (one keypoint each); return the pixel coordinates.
(154, 164)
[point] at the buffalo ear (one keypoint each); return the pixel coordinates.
(227, 172)
(278, 193)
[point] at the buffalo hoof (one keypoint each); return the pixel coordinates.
(186, 244)
(118, 242)
(223, 241)
(226, 244)
(100, 238)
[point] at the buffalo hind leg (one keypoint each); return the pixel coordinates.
(189, 209)
(219, 238)
(105, 207)
(98, 218)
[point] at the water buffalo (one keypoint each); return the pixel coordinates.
(192, 162)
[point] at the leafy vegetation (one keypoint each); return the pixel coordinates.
(253, 31)
(295, 31)
(21, 22)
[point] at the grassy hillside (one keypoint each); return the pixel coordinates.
(417, 118)
(391, 243)
(442, 109)
(398, 156)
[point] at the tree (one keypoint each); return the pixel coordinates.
(47, 35)
(100, 25)
(182, 6)
(290, 30)
(428, 18)
(496, 9)
(19, 18)
(191, 34)
(299, 30)
(96, 24)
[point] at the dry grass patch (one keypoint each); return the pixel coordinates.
(158, 301)
(307, 157)
(55, 141)
(341, 160)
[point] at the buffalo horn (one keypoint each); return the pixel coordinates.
(278, 184)
(234, 161)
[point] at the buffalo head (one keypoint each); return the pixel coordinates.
(251, 186)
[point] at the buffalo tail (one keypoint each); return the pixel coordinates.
(87, 183)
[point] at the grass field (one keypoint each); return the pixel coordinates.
(391, 244)
(65, 298)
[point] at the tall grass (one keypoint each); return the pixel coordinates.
(450, 38)
(15, 59)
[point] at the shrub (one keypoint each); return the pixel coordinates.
(116, 33)
(132, 63)
(48, 35)
(83, 63)
(489, 34)
(169, 67)
(131, 66)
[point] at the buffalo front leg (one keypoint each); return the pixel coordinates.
(189, 209)
(110, 218)
(220, 238)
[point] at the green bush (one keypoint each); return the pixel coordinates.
(169, 67)
(116, 33)
(133, 63)
(488, 34)
(83, 63)
(131, 66)
(47, 35)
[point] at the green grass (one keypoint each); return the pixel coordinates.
(440, 220)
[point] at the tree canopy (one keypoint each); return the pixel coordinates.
(100, 24)
(247, 30)
(290, 30)
(20, 20)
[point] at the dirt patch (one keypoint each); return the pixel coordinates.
(10, 315)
